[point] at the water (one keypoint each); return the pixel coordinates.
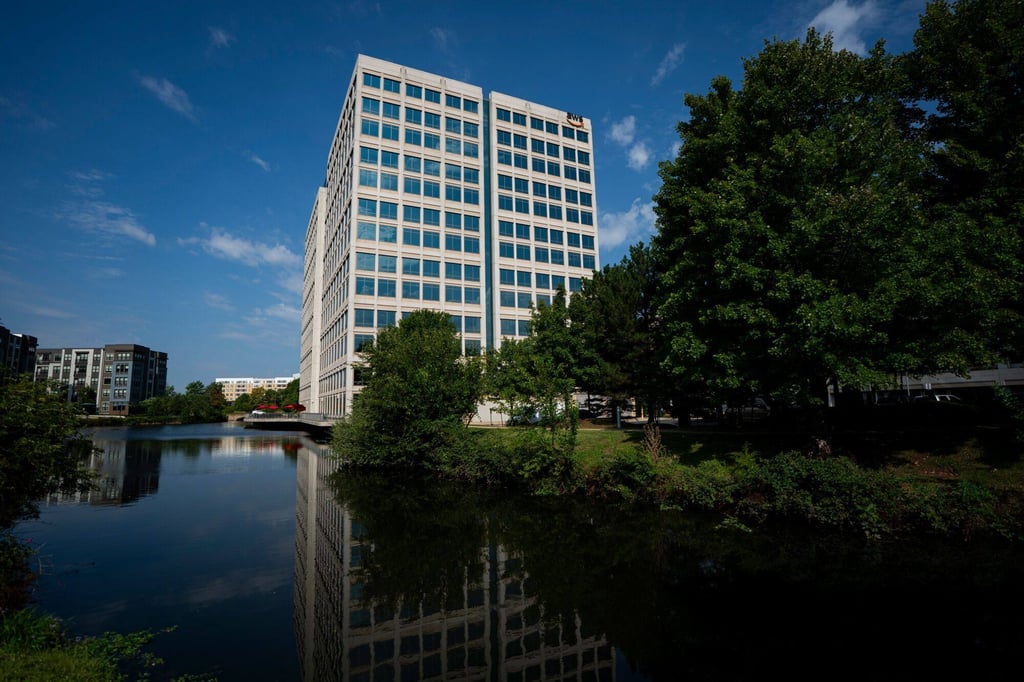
(273, 566)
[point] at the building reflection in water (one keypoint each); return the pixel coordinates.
(125, 471)
(493, 630)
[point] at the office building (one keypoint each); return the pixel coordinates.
(439, 196)
(236, 386)
(118, 375)
(17, 353)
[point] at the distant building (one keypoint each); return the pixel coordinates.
(439, 196)
(120, 374)
(17, 352)
(234, 387)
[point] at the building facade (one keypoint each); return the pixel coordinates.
(119, 375)
(17, 353)
(438, 196)
(237, 386)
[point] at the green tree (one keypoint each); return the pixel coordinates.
(616, 319)
(418, 395)
(787, 229)
(966, 69)
(40, 448)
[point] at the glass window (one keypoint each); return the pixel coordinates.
(504, 202)
(551, 127)
(540, 234)
(432, 96)
(583, 158)
(432, 168)
(572, 215)
(371, 105)
(431, 291)
(392, 110)
(584, 176)
(453, 221)
(471, 244)
(410, 236)
(366, 231)
(537, 164)
(391, 85)
(387, 263)
(471, 223)
(554, 192)
(368, 207)
(470, 105)
(524, 278)
(519, 141)
(366, 261)
(410, 266)
(537, 146)
(508, 327)
(452, 293)
(506, 276)
(568, 132)
(413, 137)
(586, 217)
(471, 149)
(432, 189)
(543, 298)
(504, 228)
(471, 273)
(540, 209)
(522, 252)
(582, 136)
(389, 159)
(431, 268)
(557, 282)
(410, 289)
(364, 317)
(431, 216)
(385, 318)
(364, 286)
(453, 193)
(555, 236)
(552, 149)
(505, 138)
(367, 177)
(540, 189)
(543, 281)
(557, 257)
(364, 340)
(386, 288)
(588, 242)
(574, 240)
(523, 299)
(570, 173)
(413, 91)
(504, 157)
(471, 176)
(452, 242)
(432, 120)
(452, 171)
(574, 260)
(554, 211)
(507, 299)
(456, 321)
(572, 196)
(518, 118)
(371, 80)
(452, 125)
(368, 155)
(413, 164)
(389, 233)
(389, 210)
(540, 254)
(522, 185)
(470, 129)
(554, 168)
(519, 161)
(411, 214)
(388, 181)
(568, 153)
(431, 141)
(589, 261)
(453, 145)
(411, 185)
(471, 325)
(452, 270)
(523, 327)
(575, 284)
(414, 116)
(522, 231)
(586, 199)
(431, 240)
(369, 128)
(504, 114)
(506, 250)
(522, 205)
(453, 101)
(536, 123)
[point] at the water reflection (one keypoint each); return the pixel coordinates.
(415, 587)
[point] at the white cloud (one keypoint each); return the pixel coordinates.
(634, 225)
(623, 132)
(443, 38)
(23, 114)
(102, 217)
(217, 301)
(669, 63)
(170, 94)
(639, 156)
(843, 21)
(258, 161)
(220, 38)
(224, 245)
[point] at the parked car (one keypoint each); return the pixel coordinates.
(525, 418)
(937, 397)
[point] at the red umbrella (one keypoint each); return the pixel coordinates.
(261, 406)
(295, 406)
(272, 407)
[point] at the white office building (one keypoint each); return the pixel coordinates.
(439, 196)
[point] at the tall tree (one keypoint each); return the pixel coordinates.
(967, 68)
(787, 229)
(616, 319)
(419, 392)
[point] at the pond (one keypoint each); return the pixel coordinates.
(270, 564)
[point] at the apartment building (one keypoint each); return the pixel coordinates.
(438, 195)
(17, 353)
(237, 386)
(119, 374)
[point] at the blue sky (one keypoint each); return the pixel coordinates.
(158, 161)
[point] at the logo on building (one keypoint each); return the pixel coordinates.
(574, 120)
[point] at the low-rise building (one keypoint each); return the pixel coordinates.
(17, 352)
(237, 386)
(119, 375)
